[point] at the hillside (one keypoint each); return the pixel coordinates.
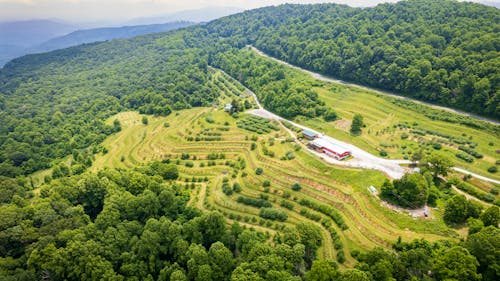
(120, 161)
(17, 36)
(102, 34)
(443, 52)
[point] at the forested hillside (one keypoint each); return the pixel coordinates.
(107, 171)
(443, 52)
(448, 56)
(55, 103)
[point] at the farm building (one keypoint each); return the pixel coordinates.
(310, 135)
(330, 149)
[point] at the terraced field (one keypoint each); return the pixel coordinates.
(400, 127)
(220, 171)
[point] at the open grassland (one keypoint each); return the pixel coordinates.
(218, 163)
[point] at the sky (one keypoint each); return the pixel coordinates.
(108, 10)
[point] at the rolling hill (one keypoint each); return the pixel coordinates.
(103, 34)
(119, 162)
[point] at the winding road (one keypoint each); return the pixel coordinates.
(330, 79)
(361, 159)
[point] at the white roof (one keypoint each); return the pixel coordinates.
(321, 142)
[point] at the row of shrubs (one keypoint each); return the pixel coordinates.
(259, 203)
(464, 156)
(470, 189)
(326, 210)
(470, 151)
(208, 138)
(273, 214)
(337, 242)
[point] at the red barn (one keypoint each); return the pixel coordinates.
(330, 149)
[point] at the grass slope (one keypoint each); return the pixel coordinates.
(345, 190)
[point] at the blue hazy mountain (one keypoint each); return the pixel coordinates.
(102, 34)
(18, 46)
(196, 15)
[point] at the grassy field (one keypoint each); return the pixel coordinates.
(343, 190)
(398, 131)
(400, 127)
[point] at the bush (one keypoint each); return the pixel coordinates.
(330, 115)
(236, 187)
(464, 157)
(266, 183)
(145, 120)
(470, 151)
(290, 155)
(287, 204)
(296, 186)
(383, 153)
(493, 169)
(259, 171)
(209, 119)
(404, 136)
(259, 203)
(227, 190)
(273, 214)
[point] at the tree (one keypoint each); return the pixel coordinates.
(409, 191)
(474, 225)
(455, 210)
(322, 270)
(310, 236)
(92, 191)
(357, 124)
(439, 165)
(166, 171)
(456, 264)
(491, 216)
(221, 261)
(145, 120)
(417, 155)
(484, 246)
(353, 275)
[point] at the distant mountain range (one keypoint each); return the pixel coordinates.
(196, 15)
(43, 40)
(29, 33)
(102, 34)
(19, 38)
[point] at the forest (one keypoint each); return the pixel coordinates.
(54, 103)
(443, 52)
(132, 225)
(138, 221)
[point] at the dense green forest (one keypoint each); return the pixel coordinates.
(442, 52)
(131, 225)
(135, 224)
(54, 103)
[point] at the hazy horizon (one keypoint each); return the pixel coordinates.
(84, 11)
